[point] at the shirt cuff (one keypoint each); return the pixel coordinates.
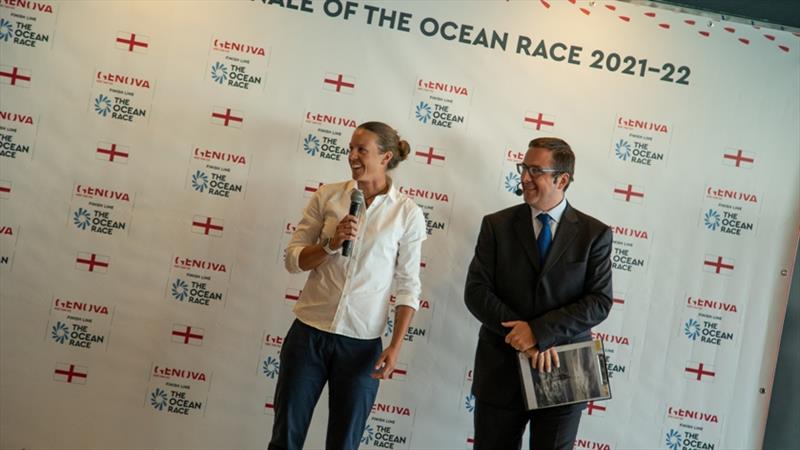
(407, 300)
(292, 259)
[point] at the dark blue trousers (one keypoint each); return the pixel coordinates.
(310, 358)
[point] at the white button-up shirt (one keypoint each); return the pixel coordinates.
(350, 295)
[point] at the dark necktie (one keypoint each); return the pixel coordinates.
(545, 236)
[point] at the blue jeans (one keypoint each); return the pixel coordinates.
(310, 358)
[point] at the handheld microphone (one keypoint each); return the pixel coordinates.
(356, 200)
(518, 190)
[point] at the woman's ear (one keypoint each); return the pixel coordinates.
(387, 157)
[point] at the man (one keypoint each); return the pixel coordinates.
(540, 277)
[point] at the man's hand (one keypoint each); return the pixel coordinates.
(544, 361)
(385, 364)
(521, 336)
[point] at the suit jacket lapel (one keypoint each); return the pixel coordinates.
(565, 233)
(523, 225)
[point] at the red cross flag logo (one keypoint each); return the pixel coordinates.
(269, 406)
(311, 187)
(618, 300)
(629, 193)
(15, 76)
(538, 121)
(699, 371)
(738, 158)
(595, 409)
(209, 226)
(70, 373)
(719, 265)
(338, 82)
(111, 152)
(227, 117)
(132, 42)
(292, 295)
(430, 156)
(400, 372)
(5, 189)
(92, 262)
(185, 334)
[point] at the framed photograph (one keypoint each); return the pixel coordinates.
(581, 377)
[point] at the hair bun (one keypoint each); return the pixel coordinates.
(404, 149)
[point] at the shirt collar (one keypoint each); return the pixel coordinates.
(391, 193)
(555, 212)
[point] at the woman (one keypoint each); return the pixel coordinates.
(342, 310)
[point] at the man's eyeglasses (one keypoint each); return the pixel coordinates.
(534, 172)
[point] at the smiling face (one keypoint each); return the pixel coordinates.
(546, 190)
(367, 163)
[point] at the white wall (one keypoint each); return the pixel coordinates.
(742, 94)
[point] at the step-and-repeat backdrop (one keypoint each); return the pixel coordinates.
(155, 157)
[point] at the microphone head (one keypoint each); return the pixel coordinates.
(357, 197)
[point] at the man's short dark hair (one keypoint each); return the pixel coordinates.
(563, 157)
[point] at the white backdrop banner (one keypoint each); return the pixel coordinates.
(155, 157)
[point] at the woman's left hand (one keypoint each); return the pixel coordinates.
(385, 364)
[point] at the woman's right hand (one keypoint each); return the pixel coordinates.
(347, 229)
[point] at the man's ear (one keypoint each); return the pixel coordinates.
(562, 181)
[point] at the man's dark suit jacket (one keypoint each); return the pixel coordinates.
(561, 301)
